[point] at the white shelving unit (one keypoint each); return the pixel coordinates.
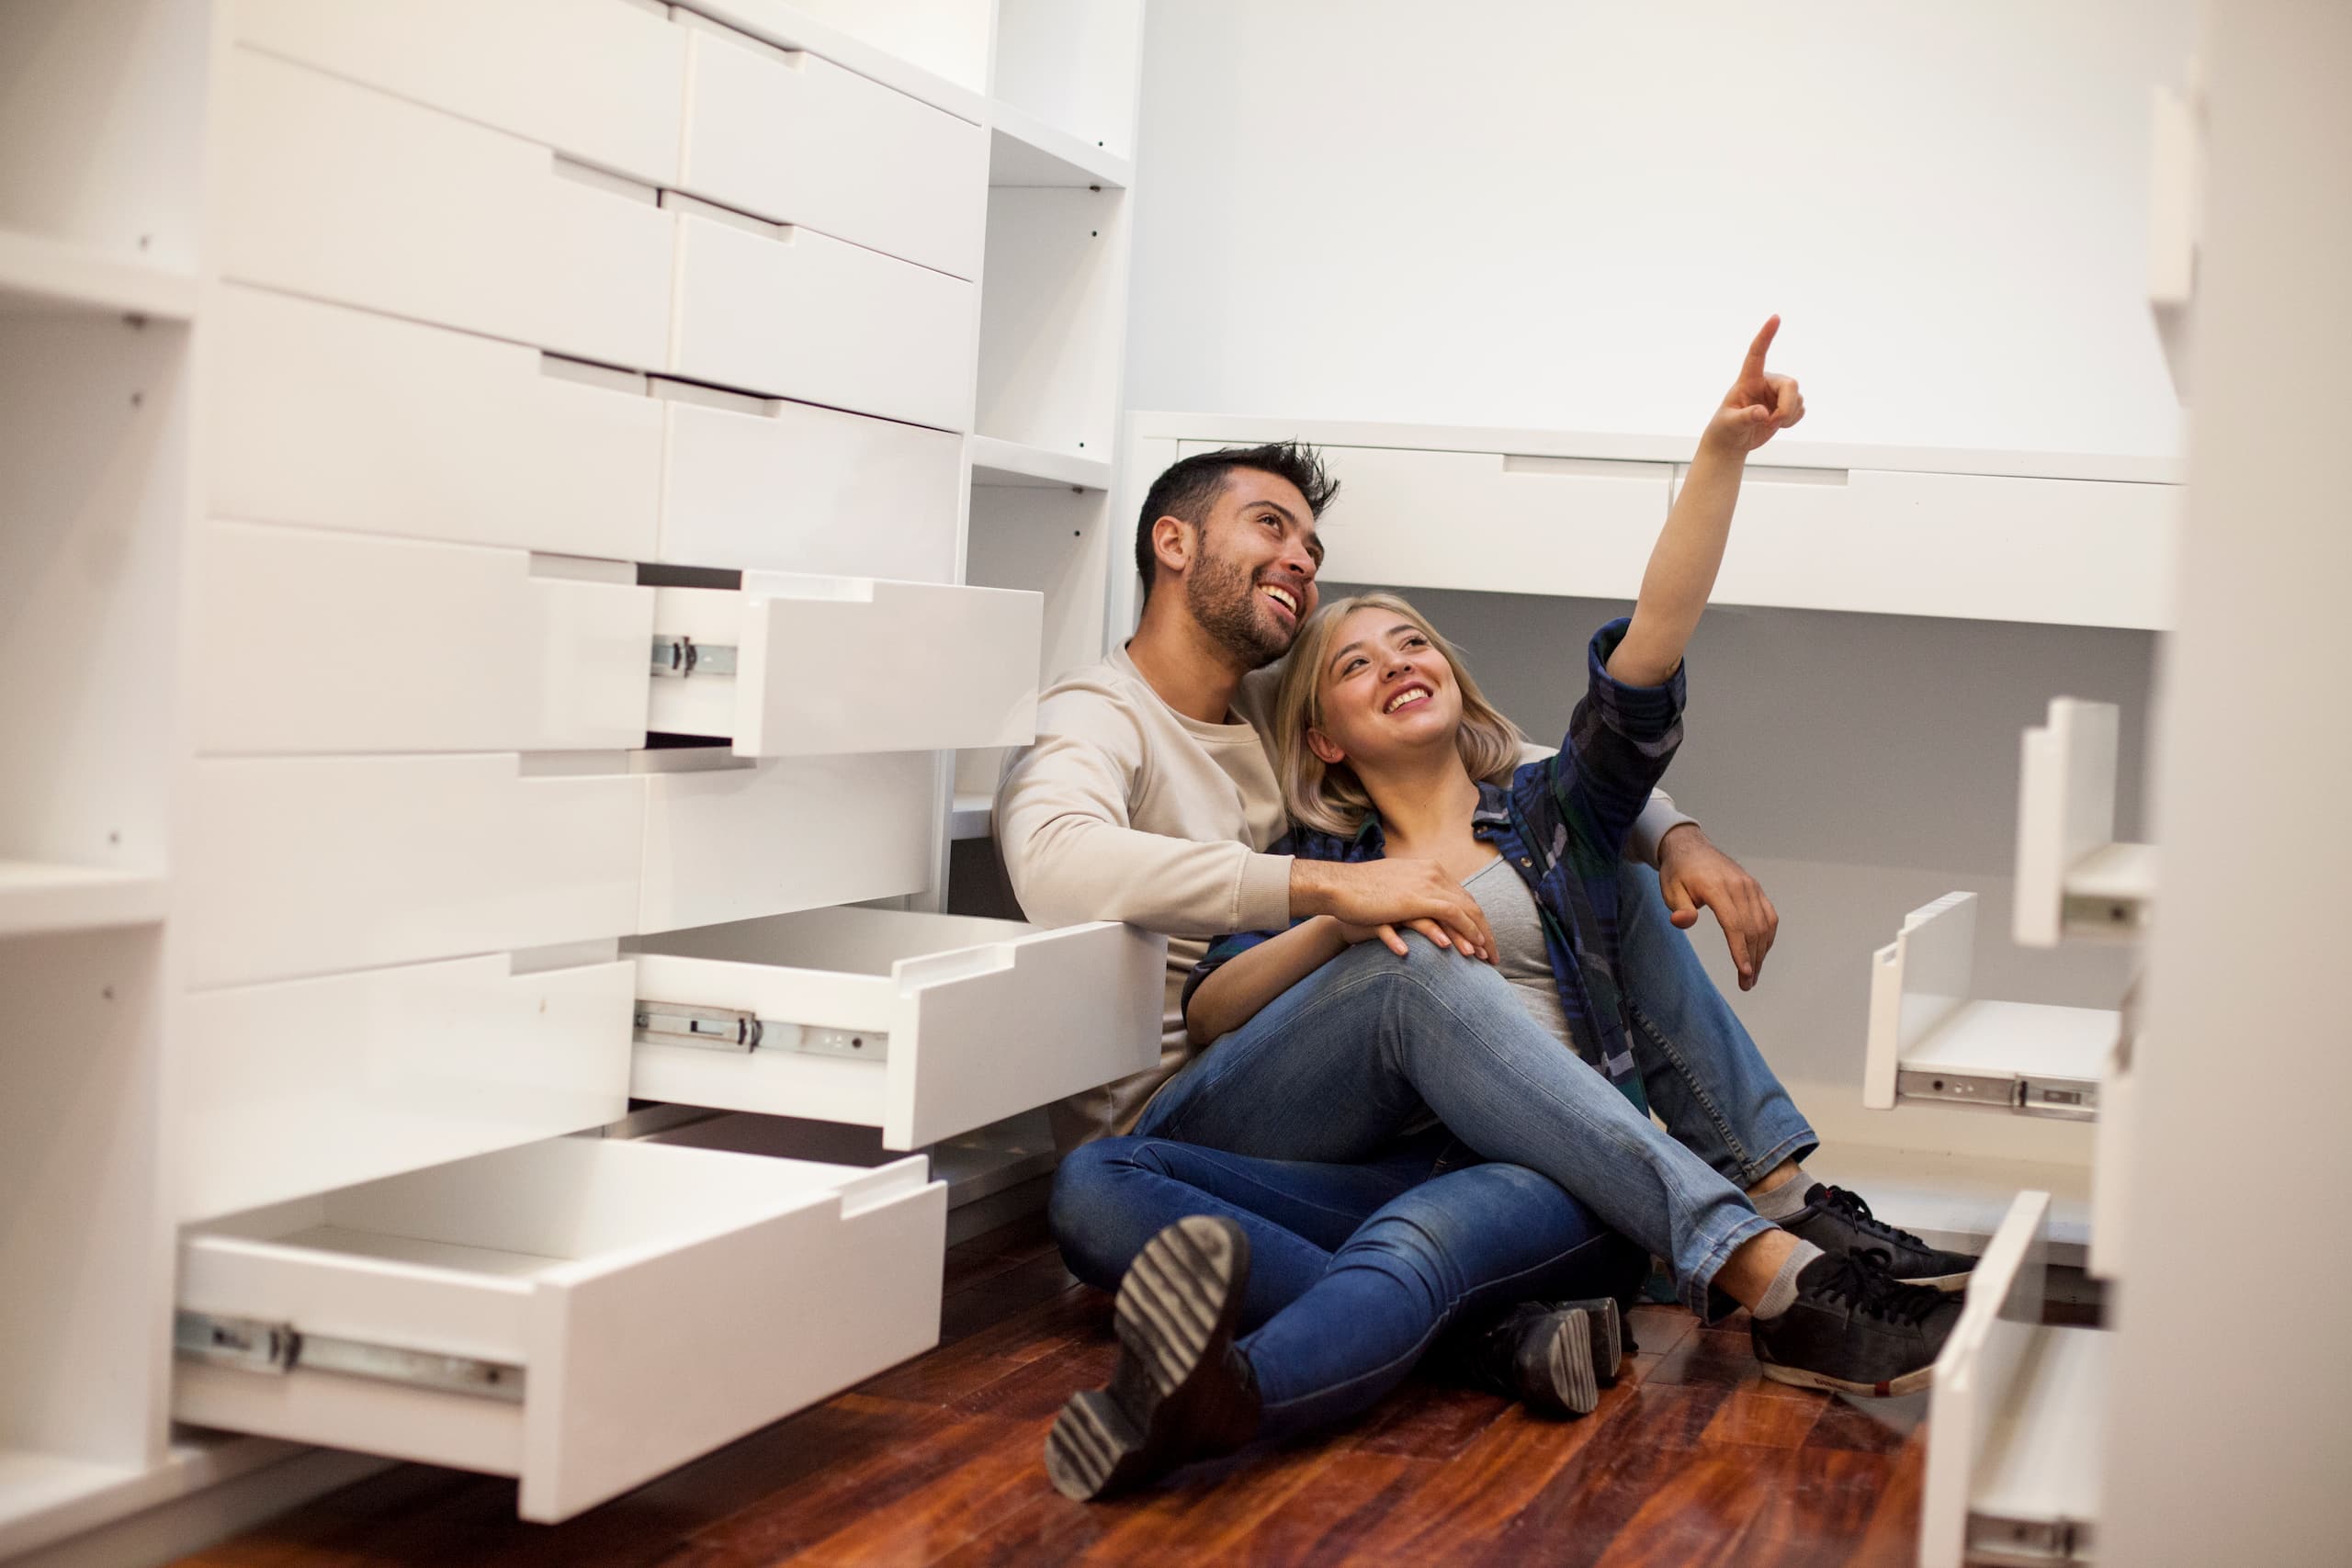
(2074, 879)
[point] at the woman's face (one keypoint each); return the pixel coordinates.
(1385, 690)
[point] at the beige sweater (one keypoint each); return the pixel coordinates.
(1125, 809)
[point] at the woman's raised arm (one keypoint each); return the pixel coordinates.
(1691, 548)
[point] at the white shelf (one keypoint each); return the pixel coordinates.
(1931, 1040)
(974, 816)
(1957, 1200)
(44, 277)
(2072, 878)
(1012, 465)
(40, 898)
(2041, 1467)
(1025, 151)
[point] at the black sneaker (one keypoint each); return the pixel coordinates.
(1837, 1221)
(1856, 1328)
(1181, 1391)
(1552, 1357)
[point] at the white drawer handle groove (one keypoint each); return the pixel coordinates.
(250, 1344)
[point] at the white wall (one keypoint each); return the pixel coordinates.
(1559, 214)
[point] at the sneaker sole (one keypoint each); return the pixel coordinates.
(1178, 1299)
(1797, 1377)
(1950, 1284)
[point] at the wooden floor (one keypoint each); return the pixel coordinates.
(1691, 1459)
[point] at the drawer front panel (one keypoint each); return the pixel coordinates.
(659, 1301)
(982, 1017)
(833, 665)
(454, 437)
(790, 487)
(308, 866)
(603, 80)
(794, 139)
(309, 641)
(309, 1085)
(344, 193)
(793, 313)
(797, 833)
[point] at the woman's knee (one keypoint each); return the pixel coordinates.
(1086, 1213)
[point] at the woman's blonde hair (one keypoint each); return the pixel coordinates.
(1329, 795)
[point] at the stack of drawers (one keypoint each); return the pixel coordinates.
(578, 372)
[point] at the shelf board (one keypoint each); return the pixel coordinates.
(1025, 151)
(974, 817)
(35, 897)
(2000, 1042)
(44, 277)
(1958, 1201)
(1000, 462)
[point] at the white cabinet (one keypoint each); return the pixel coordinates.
(789, 137)
(761, 484)
(312, 641)
(337, 418)
(304, 1085)
(582, 1313)
(341, 192)
(790, 312)
(795, 666)
(922, 1025)
(728, 840)
(603, 80)
(307, 865)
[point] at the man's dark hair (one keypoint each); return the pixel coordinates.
(1191, 485)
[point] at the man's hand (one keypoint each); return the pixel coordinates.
(1758, 404)
(1693, 873)
(1372, 894)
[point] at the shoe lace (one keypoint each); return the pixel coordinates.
(1858, 1210)
(1861, 1278)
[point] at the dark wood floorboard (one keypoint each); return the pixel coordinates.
(1693, 1459)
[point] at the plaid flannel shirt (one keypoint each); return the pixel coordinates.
(1562, 825)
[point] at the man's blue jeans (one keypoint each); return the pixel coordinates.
(1354, 1270)
(1335, 1068)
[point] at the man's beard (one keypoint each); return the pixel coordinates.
(1224, 600)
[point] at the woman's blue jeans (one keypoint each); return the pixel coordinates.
(1355, 1269)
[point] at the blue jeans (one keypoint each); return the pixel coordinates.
(1354, 1270)
(1335, 1068)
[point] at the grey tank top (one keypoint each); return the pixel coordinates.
(1509, 905)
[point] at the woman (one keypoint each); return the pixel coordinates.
(1388, 748)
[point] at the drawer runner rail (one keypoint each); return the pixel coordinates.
(1996, 1542)
(679, 657)
(2067, 1099)
(731, 1029)
(252, 1345)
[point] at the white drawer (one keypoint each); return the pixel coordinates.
(973, 1020)
(309, 866)
(305, 1085)
(584, 1313)
(793, 313)
(458, 437)
(601, 79)
(761, 484)
(834, 664)
(344, 193)
(726, 839)
(312, 641)
(794, 139)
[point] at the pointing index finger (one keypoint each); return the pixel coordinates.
(1753, 370)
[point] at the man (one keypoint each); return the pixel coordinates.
(1149, 798)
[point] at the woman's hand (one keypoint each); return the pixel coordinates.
(1758, 404)
(1389, 937)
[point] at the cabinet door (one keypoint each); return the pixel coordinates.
(309, 641)
(789, 313)
(344, 193)
(336, 418)
(788, 137)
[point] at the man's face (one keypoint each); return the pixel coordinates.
(1253, 583)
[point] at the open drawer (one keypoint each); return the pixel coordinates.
(583, 1313)
(2015, 1421)
(799, 666)
(1931, 1040)
(923, 1025)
